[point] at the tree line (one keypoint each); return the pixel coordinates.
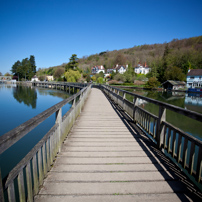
(25, 69)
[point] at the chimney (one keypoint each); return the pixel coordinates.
(145, 64)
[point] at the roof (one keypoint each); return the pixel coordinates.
(119, 67)
(174, 83)
(195, 72)
(99, 67)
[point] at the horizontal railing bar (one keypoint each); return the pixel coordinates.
(184, 134)
(15, 171)
(185, 112)
(11, 137)
(145, 111)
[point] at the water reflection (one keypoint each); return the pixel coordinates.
(191, 102)
(26, 95)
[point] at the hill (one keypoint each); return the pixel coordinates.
(181, 54)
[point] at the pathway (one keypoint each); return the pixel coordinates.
(105, 159)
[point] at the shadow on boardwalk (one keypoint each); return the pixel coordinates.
(170, 172)
(106, 157)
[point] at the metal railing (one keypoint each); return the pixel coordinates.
(184, 148)
(24, 180)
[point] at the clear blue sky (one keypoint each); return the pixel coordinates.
(53, 30)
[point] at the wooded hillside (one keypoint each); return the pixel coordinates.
(168, 60)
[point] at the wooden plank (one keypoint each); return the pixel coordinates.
(29, 183)
(191, 157)
(184, 154)
(21, 187)
(11, 192)
(35, 175)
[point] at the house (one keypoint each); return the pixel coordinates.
(173, 85)
(97, 69)
(34, 78)
(49, 78)
(194, 78)
(142, 69)
(121, 68)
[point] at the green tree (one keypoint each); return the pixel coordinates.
(72, 76)
(99, 80)
(73, 62)
(59, 72)
(175, 73)
(32, 70)
(88, 78)
(152, 82)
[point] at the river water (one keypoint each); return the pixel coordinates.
(191, 102)
(19, 104)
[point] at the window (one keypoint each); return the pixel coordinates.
(191, 77)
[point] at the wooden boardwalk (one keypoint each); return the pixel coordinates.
(106, 158)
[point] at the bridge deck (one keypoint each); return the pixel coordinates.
(106, 159)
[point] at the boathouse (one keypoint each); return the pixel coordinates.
(173, 85)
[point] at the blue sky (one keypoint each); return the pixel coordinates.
(53, 30)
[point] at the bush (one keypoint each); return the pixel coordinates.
(100, 80)
(152, 83)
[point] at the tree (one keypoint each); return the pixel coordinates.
(32, 70)
(175, 73)
(73, 62)
(7, 74)
(88, 78)
(152, 82)
(59, 72)
(72, 76)
(100, 80)
(120, 59)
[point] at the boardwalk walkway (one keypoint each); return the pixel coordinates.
(105, 159)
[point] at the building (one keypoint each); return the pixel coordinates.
(49, 78)
(121, 68)
(97, 69)
(34, 78)
(142, 69)
(118, 68)
(194, 78)
(173, 85)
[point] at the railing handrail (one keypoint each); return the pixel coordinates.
(191, 114)
(167, 137)
(11, 137)
(32, 169)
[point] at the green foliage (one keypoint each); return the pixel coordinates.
(99, 80)
(25, 69)
(73, 62)
(59, 72)
(120, 77)
(72, 76)
(88, 78)
(93, 78)
(152, 83)
(175, 73)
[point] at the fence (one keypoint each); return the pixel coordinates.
(184, 148)
(27, 176)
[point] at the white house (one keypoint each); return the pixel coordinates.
(194, 78)
(121, 68)
(142, 69)
(34, 78)
(97, 69)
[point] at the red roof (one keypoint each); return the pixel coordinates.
(195, 72)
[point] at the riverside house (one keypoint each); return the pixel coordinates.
(194, 78)
(142, 69)
(97, 69)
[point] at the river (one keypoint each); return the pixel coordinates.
(19, 104)
(184, 100)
